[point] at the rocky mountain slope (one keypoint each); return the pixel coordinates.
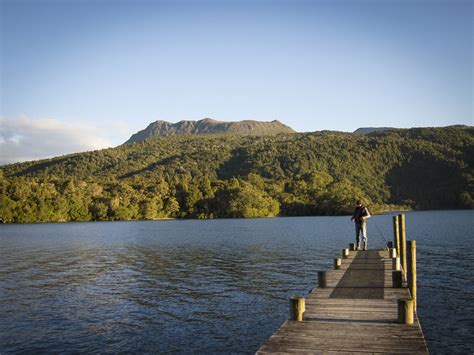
(209, 126)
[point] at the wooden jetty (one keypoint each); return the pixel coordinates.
(367, 304)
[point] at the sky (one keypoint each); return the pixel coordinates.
(86, 74)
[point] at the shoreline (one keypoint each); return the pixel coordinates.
(379, 213)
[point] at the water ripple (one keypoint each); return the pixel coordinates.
(204, 286)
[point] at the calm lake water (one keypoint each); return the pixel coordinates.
(207, 285)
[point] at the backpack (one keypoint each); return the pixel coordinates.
(364, 213)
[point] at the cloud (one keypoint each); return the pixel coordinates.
(25, 138)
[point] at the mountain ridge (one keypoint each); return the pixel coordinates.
(368, 130)
(162, 128)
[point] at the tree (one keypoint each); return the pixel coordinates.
(248, 202)
(99, 210)
(7, 209)
(341, 197)
(171, 207)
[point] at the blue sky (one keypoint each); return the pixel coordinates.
(97, 71)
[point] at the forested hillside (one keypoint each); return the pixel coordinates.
(210, 176)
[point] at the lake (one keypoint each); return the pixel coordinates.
(207, 285)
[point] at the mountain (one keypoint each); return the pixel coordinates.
(231, 175)
(367, 130)
(210, 126)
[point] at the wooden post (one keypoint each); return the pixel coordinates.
(345, 253)
(396, 264)
(396, 234)
(297, 308)
(393, 252)
(405, 311)
(403, 243)
(322, 279)
(397, 281)
(412, 270)
(352, 247)
(337, 263)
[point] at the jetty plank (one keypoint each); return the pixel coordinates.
(356, 313)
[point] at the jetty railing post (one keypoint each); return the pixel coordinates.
(405, 311)
(297, 308)
(412, 270)
(403, 243)
(396, 263)
(337, 263)
(396, 234)
(345, 253)
(352, 247)
(397, 279)
(322, 279)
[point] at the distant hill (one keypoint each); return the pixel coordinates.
(367, 130)
(232, 175)
(210, 126)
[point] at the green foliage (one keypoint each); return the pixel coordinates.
(340, 197)
(242, 199)
(208, 176)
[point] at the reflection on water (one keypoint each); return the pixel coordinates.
(207, 286)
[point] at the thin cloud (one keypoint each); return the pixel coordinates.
(24, 138)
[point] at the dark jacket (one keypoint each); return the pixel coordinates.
(359, 212)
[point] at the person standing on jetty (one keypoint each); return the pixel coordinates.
(361, 213)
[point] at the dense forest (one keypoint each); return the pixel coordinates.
(213, 176)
